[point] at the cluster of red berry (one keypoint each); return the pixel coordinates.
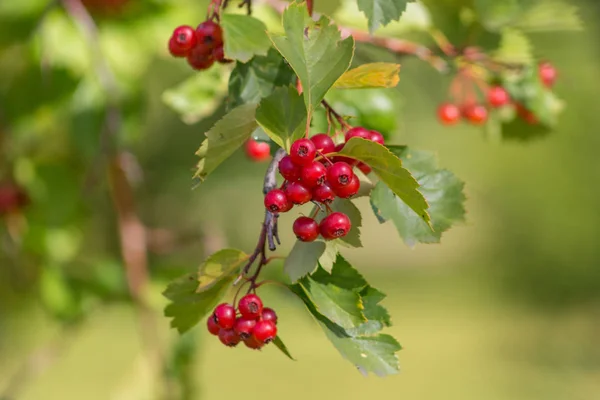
(255, 326)
(497, 96)
(201, 46)
(12, 198)
(311, 176)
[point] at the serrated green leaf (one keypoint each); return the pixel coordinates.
(388, 167)
(244, 37)
(283, 116)
(515, 48)
(328, 257)
(225, 137)
(382, 12)
(342, 275)
(282, 347)
(198, 96)
(258, 78)
(225, 262)
(442, 190)
(303, 259)
(314, 50)
(374, 75)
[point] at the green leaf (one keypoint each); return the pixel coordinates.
(382, 12)
(193, 295)
(347, 207)
(442, 190)
(314, 50)
(303, 259)
(515, 48)
(342, 275)
(389, 169)
(258, 78)
(283, 116)
(374, 75)
(327, 259)
(281, 346)
(198, 96)
(225, 137)
(244, 37)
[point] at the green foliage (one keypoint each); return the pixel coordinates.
(282, 347)
(303, 259)
(515, 48)
(382, 12)
(244, 37)
(374, 75)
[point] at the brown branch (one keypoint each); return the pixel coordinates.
(335, 114)
(310, 6)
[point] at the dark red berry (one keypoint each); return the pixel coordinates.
(376, 137)
(209, 33)
(250, 306)
(12, 198)
(253, 344)
(219, 54)
(313, 174)
(264, 331)
(306, 229)
(476, 114)
(224, 315)
(297, 193)
(289, 170)
(303, 152)
(243, 327)
(229, 337)
(323, 194)
(212, 325)
(548, 74)
(364, 168)
(199, 58)
(339, 174)
(258, 151)
(335, 225)
(448, 114)
(498, 96)
(269, 314)
(182, 41)
(323, 143)
(349, 190)
(358, 132)
(277, 201)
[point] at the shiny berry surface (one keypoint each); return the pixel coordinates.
(334, 226)
(323, 143)
(276, 201)
(303, 152)
(306, 229)
(297, 193)
(224, 315)
(250, 306)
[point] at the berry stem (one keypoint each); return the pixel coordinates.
(334, 114)
(443, 43)
(310, 6)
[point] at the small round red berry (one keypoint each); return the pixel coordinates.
(258, 151)
(339, 174)
(250, 306)
(306, 229)
(323, 194)
(323, 143)
(210, 34)
(289, 170)
(182, 41)
(476, 114)
(253, 344)
(313, 174)
(335, 225)
(358, 132)
(243, 327)
(548, 74)
(212, 325)
(219, 54)
(198, 58)
(224, 315)
(448, 114)
(269, 314)
(348, 190)
(364, 168)
(297, 193)
(276, 201)
(498, 96)
(303, 152)
(229, 337)
(264, 331)
(376, 137)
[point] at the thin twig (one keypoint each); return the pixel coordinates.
(331, 112)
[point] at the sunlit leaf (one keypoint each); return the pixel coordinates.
(375, 75)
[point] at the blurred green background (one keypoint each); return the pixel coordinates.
(507, 307)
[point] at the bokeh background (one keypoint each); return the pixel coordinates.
(507, 307)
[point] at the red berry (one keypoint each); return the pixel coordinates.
(448, 114)
(12, 198)
(349, 190)
(182, 41)
(364, 168)
(212, 325)
(339, 174)
(209, 33)
(358, 132)
(526, 115)
(277, 201)
(243, 327)
(229, 337)
(477, 114)
(548, 74)
(303, 152)
(200, 58)
(264, 331)
(323, 143)
(335, 225)
(250, 306)
(253, 344)
(306, 229)
(498, 96)
(219, 54)
(224, 315)
(313, 174)
(269, 314)
(376, 137)
(323, 194)
(289, 170)
(258, 151)
(297, 193)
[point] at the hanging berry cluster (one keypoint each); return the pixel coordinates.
(255, 325)
(201, 46)
(311, 176)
